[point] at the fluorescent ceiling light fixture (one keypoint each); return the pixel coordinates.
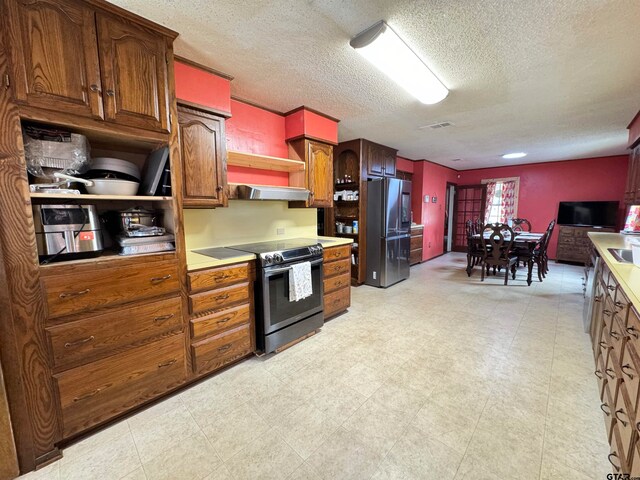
(388, 52)
(509, 156)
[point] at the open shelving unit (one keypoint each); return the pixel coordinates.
(264, 162)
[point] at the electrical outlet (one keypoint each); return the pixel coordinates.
(280, 231)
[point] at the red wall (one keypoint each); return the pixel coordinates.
(201, 87)
(404, 164)
(544, 185)
(431, 179)
(304, 122)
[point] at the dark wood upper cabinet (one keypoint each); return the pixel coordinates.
(134, 74)
(203, 152)
(380, 160)
(55, 56)
(318, 174)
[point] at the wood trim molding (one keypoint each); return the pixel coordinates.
(312, 110)
(121, 12)
(204, 108)
(257, 105)
(309, 137)
(186, 61)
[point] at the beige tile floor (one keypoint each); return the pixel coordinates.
(440, 377)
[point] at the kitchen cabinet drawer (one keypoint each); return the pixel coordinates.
(220, 321)
(216, 352)
(602, 378)
(635, 459)
(608, 408)
(220, 298)
(336, 253)
(96, 392)
(336, 282)
(625, 421)
(416, 242)
(337, 301)
(109, 286)
(415, 256)
(334, 269)
(617, 337)
(630, 367)
(611, 372)
(219, 277)
(616, 458)
(94, 337)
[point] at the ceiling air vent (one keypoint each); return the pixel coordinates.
(456, 159)
(437, 125)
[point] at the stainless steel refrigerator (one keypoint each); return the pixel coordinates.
(388, 231)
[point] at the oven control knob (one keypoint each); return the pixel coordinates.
(268, 259)
(277, 258)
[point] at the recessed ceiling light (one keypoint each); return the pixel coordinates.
(388, 52)
(510, 156)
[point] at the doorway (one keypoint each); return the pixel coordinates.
(468, 204)
(448, 217)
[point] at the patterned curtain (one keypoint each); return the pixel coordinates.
(491, 193)
(508, 201)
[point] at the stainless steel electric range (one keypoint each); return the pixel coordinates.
(279, 321)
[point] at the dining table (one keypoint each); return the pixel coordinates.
(522, 239)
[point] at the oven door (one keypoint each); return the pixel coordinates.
(278, 311)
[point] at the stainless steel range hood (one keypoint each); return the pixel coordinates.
(262, 192)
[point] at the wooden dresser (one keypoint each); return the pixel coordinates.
(415, 255)
(573, 243)
(337, 279)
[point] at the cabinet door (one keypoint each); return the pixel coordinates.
(375, 160)
(55, 56)
(320, 164)
(202, 147)
(134, 74)
(389, 163)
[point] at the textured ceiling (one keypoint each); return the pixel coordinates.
(558, 79)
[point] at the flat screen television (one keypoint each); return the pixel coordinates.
(591, 214)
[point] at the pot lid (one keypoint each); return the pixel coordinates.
(115, 165)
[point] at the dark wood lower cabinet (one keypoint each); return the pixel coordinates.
(94, 393)
(337, 283)
(615, 329)
(415, 254)
(574, 244)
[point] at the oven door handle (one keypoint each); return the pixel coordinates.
(285, 269)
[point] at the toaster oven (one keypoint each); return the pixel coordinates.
(66, 232)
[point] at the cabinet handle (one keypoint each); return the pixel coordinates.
(156, 280)
(163, 318)
(222, 297)
(74, 294)
(167, 363)
(604, 344)
(87, 395)
(608, 370)
(620, 305)
(621, 411)
(79, 342)
(224, 320)
(336, 254)
(94, 88)
(602, 407)
(607, 312)
(614, 454)
(614, 334)
(598, 374)
(632, 331)
(111, 93)
(611, 288)
(627, 367)
(224, 348)
(597, 298)
(219, 188)
(219, 278)
(339, 283)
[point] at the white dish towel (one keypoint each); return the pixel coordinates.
(300, 285)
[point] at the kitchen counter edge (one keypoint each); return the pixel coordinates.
(627, 274)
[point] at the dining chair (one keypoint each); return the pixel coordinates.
(545, 257)
(496, 246)
(474, 246)
(521, 225)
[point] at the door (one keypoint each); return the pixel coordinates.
(469, 204)
(55, 56)
(389, 162)
(134, 74)
(448, 217)
(375, 160)
(203, 152)
(320, 164)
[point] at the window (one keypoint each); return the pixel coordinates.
(502, 199)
